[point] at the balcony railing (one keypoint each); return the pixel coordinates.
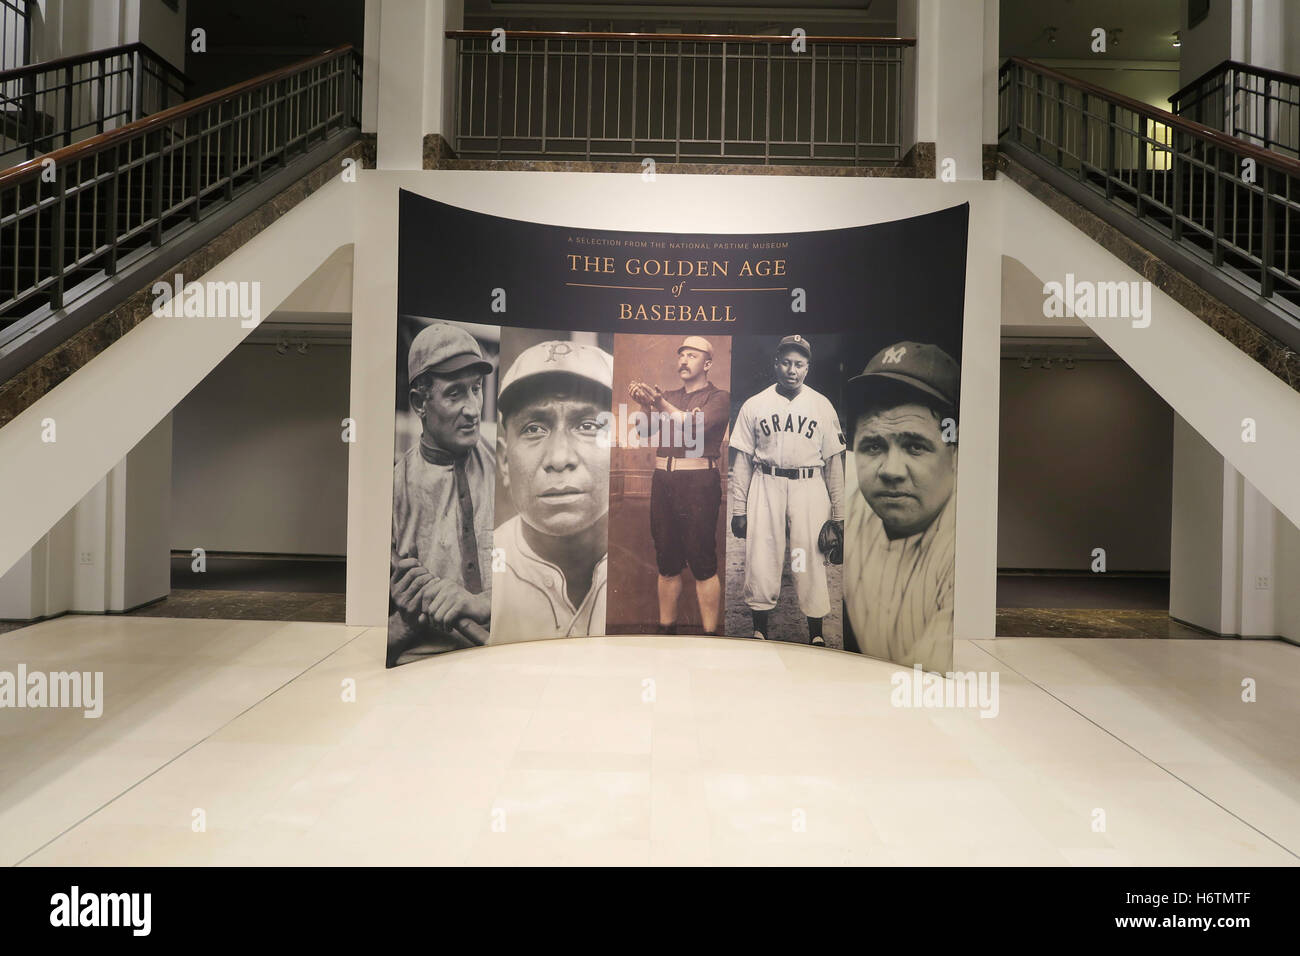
(1262, 106)
(1226, 201)
(689, 98)
(47, 105)
(107, 202)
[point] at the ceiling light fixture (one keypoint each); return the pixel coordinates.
(1178, 39)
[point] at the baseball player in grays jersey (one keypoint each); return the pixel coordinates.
(900, 546)
(553, 459)
(787, 480)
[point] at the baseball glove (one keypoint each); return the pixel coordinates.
(830, 541)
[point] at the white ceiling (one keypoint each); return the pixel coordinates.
(1147, 28)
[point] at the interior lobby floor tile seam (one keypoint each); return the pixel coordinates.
(175, 757)
(1156, 763)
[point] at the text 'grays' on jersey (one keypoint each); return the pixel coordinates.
(799, 432)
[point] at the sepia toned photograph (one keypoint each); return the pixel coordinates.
(667, 553)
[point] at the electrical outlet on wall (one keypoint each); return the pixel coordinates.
(87, 557)
(1263, 582)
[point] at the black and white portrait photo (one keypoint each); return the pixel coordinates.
(900, 546)
(443, 490)
(553, 450)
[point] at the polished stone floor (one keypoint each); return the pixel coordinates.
(634, 750)
(1094, 622)
(216, 604)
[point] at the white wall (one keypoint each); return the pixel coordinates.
(142, 570)
(676, 203)
(259, 464)
(110, 551)
(1288, 580)
(161, 28)
(1086, 461)
(1212, 41)
(1228, 541)
(1196, 539)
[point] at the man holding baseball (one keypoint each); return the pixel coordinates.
(442, 503)
(554, 458)
(686, 490)
(787, 484)
(900, 549)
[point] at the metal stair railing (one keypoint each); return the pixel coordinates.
(44, 106)
(71, 219)
(1249, 102)
(1226, 201)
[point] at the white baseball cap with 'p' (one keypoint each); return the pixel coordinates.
(561, 359)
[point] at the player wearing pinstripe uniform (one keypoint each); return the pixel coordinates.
(900, 546)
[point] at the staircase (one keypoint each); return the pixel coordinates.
(1203, 196)
(73, 220)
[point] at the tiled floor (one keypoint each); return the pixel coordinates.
(641, 750)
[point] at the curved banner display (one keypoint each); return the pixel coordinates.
(605, 432)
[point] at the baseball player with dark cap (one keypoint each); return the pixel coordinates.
(553, 438)
(900, 542)
(442, 503)
(787, 483)
(686, 490)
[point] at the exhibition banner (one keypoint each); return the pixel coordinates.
(605, 432)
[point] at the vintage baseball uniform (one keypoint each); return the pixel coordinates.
(684, 502)
(442, 516)
(530, 599)
(796, 435)
(898, 594)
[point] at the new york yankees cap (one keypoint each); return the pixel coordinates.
(795, 341)
(444, 349)
(926, 368)
(559, 360)
(698, 343)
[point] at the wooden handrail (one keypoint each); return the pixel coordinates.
(700, 37)
(1219, 138)
(1241, 68)
(77, 59)
(103, 141)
